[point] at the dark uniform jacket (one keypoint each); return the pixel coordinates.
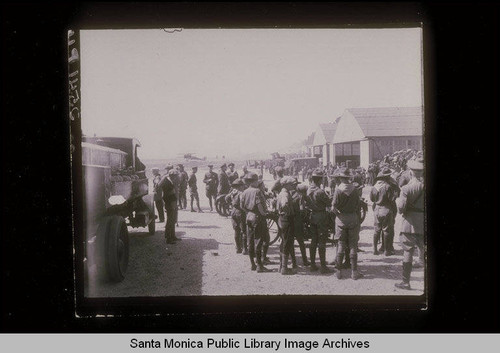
(193, 187)
(384, 194)
(234, 198)
(232, 176)
(211, 180)
(183, 180)
(168, 190)
(411, 206)
(224, 185)
(317, 200)
(158, 195)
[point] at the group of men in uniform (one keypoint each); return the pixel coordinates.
(247, 195)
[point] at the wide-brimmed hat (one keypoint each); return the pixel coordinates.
(173, 172)
(180, 165)
(231, 164)
(237, 182)
(343, 173)
(416, 164)
(318, 173)
(250, 176)
(210, 166)
(385, 172)
(302, 187)
(224, 165)
(195, 167)
(288, 181)
(169, 167)
(153, 170)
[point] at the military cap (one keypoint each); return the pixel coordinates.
(169, 167)
(317, 173)
(288, 181)
(195, 167)
(344, 173)
(237, 182)
(385, 172)
(251, 176)
(416, 164)
(231, 164)
(224, 165)
(210, 166)
(302, 188)
(180, 165)
(173, 172)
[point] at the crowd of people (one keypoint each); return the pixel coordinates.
(332, 193)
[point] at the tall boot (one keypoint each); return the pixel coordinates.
(376, 237)
(294, 259)
(340, 259)
(322, 260)
(192, 209)
(303, 252)
(312, 250)
(252, 262)
(387, 244)
(237, 241)
(260, 266)
(284, 267)
(405, 284)
(354, 265)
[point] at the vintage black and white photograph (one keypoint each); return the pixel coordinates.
(250, 162)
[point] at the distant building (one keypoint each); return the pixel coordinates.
(322, 145)
(307, 146)
(365, 135)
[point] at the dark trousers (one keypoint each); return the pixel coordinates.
(383, 227)
(182, 199)
(255, 237)
(159, 208)
(319, 235)
(171, 210)
(238, 231)
(287, 229)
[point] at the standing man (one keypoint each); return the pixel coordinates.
(284, 205)
(232, 174)
(411, 206)
(183, 181)
(298, 197)
(318, 202)
(253, 203)
(224, 186)
(383, 195)
(245, 172)
(158, 196)
(236, 215)
(193, 190)
(345, 206)
(211, 181)
(169, 198)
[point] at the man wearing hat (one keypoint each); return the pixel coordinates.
(284, 205)
(318, 201)
(158, 198)
(253, 203)
(411, 206)
(193, 190)
(345, 206)
(232, 175)
(183, 181)
(236, 215)
(169, 198)
(298, 196)
(383, 195)
(245, 172)
(211, 180)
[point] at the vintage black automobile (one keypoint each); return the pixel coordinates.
(116, 195)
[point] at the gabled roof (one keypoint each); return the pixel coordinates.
(325, 133)
(402, 121)
(310, 139)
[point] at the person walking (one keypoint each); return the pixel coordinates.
(170, 200)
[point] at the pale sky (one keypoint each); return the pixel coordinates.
(237, 91)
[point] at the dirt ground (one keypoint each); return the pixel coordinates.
(205, 263)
